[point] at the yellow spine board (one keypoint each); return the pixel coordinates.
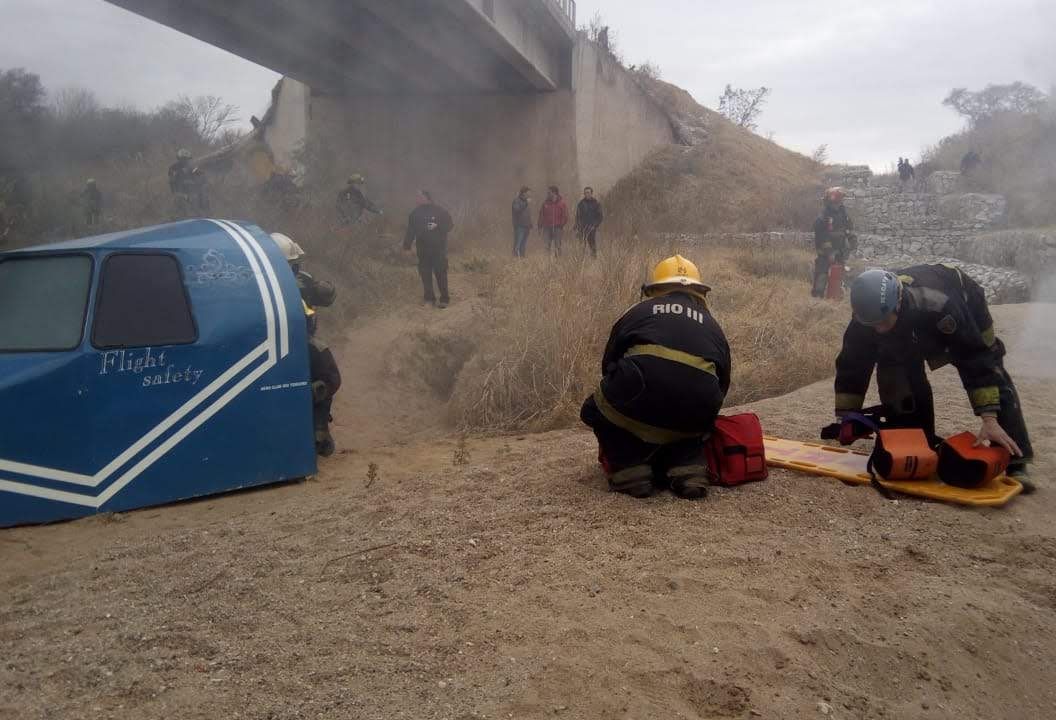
(849, 466)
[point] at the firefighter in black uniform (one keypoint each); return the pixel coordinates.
(351, 202)
(834, 239)
(933, 314)
(666, 372)
(325, 375)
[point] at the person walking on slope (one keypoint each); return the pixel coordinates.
(522, 221)
(181, 183)
(834, 239)
(428, 226)
(666, 372)
(588, 220)
(933, 314)
(553, 216)
(322, 368)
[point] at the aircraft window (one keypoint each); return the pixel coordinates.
(43, 302)
(142, 302)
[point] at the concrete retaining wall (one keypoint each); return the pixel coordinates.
(474, 151)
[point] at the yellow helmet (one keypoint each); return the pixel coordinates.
(676, 271)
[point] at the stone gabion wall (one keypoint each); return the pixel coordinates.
(1002, 284)
(903, 215)
(921, 215)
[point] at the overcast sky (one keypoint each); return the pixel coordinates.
(867, 78)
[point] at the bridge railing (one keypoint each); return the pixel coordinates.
(569, 8)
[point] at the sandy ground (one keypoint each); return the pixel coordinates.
(499, 579)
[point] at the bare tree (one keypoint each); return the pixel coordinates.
(743, 105)
(981, 105)
(209, 114)
(820, 154)
(73, 103)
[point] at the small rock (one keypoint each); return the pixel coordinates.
(441, 684)
(824, 708)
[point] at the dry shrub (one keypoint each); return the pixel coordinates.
(541, 338)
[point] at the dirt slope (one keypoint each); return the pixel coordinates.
(515, 586)
(728, 179)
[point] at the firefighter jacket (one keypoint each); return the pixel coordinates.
(180, 180)
(943, 318)
(834, 231)
(314, 293)
(351, 202)
(666, 369)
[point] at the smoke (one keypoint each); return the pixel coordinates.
(1032, 351)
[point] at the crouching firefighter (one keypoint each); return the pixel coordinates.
(934, 315)
(666, 371)
(325, 376)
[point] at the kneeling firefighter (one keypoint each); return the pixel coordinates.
(934, 315)
(325, 375)
(666, 372)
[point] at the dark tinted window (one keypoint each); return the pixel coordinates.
(142, 302)
(43, 301)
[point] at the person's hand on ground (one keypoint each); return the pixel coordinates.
(991, 433)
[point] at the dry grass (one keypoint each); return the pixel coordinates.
(541, 339)
(734, 181)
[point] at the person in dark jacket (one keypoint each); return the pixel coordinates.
(666, 372)
(553, 216)
(428, 226)
(322, 368)
(588, 219)
(181, 183)
(351, 202)
(522, 221)
(970, 162)
(91, 202)
(834, 239)
(934, 315)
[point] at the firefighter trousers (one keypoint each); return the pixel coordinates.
(322, 368)
(620, 450)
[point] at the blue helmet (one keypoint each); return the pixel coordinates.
(875, 295)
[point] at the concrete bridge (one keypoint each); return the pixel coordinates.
(388, 46)
(468, 98)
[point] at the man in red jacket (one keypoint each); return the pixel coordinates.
(553, 216)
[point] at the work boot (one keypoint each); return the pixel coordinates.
(442, 304)
(636, 481)
(689, 482)
(324, 443)
(1021, 474)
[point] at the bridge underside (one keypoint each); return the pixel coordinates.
(356, 47)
